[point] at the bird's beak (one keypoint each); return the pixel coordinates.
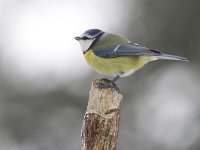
(77, 38)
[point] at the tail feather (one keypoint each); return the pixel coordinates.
(171, 57)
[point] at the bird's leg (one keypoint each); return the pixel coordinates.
(110, 84)
(114, 80)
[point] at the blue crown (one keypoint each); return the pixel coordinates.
(92, 32)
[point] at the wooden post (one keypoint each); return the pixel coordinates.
(101, 120)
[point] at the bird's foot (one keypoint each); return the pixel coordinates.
(107, 84)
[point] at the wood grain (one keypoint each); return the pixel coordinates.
(101, 120)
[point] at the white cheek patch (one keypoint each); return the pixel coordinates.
(85, 44)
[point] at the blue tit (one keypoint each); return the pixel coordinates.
(114, 55)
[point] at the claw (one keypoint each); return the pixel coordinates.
(109, 84)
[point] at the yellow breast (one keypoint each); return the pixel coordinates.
(122, 66)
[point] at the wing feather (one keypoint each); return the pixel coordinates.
(125, 50)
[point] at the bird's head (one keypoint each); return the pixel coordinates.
(89, 38)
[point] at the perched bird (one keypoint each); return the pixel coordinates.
(115, 55)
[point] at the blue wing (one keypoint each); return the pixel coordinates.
(125, 50)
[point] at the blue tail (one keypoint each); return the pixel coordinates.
(171, 57)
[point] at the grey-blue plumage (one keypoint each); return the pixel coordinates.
(131, 49)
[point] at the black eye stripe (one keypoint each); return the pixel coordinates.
(85, 38)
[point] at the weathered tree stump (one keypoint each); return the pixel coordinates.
(101, 121)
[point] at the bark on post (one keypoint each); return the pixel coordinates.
(101, 121)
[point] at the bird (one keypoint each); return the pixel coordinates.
(114, 55)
